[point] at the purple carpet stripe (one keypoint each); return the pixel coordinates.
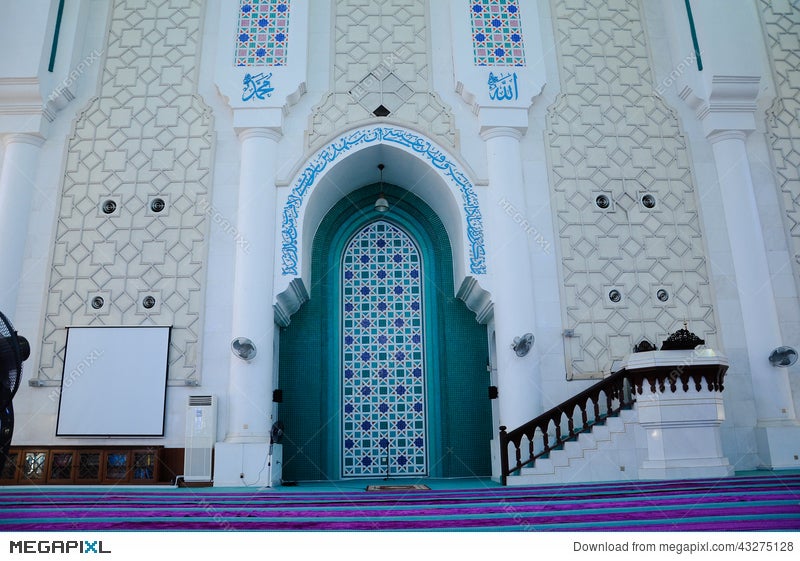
(761, 503)
(224, 510)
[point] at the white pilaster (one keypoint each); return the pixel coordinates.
(777, 420)
(518, 378)
(243, 458)
(243, 454)
(17, 183)
(250, 387)
(725, 97)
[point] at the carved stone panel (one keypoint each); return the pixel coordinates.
(381, 69)
(633, 263)
(130, 242)
(781, 20)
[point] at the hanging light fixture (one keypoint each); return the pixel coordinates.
(381, 205)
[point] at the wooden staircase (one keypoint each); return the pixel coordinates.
(595, 435)
(609, 451)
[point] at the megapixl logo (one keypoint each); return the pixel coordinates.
(57, 546)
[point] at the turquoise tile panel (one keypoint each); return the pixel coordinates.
(383, 355)
(497, 38)
(262, 35)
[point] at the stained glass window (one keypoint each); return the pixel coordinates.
(497, 33)
(89, 465)
(116, 465)
(34, 465)
(383, 356)
(144, 465)
(61, 465)
(262, 36)
(10, 467)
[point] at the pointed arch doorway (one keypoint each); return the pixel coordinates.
(383, 370)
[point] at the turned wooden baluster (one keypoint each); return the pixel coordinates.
(571, 423)
(546, 441)
(558, 429)
(503, 454)
(531, 441)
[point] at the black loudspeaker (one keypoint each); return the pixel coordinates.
(492, 392)
(277, 396)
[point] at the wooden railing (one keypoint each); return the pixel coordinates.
(565, 422)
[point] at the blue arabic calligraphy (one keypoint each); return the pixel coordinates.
(256, 86)
(503, 87)
(423, 148)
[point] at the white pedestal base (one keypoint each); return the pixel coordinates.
(494, 446)
(682, 433)
(247, 464)
(779, 447)
(696, 468)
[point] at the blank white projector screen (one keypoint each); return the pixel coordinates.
(114, 382)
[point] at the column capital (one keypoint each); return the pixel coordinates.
(258, 118)
(720, 135)
(496, 121)
(24, 138)
(729, 104)
(270, 133)
(487, 133)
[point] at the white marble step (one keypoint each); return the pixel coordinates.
(593, 456)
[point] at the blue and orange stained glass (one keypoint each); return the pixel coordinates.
(383, 355)
(497, 33)
(262, 36)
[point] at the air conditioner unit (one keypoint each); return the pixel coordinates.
(201, 433)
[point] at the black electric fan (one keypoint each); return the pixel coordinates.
(14, 350)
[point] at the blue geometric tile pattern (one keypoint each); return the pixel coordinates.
(383, 360)
(497, 33)
(422, 147)
(262, 36)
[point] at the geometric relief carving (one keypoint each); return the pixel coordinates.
(142, 139)
(375, 43)
(633, 263)
(781, 21)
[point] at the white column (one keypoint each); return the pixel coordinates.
(242, 457)
(17, 183)
(760, 316)
(250, 386)
(773, 394)
(518, 378)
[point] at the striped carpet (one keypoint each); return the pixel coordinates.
(768, 502)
